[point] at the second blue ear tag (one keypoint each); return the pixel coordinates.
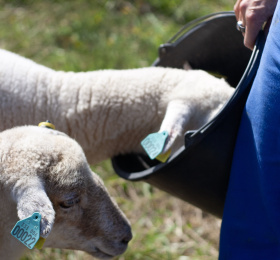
(154, 143)
(27, 230)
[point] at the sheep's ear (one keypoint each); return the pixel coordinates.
(175, 120)
(30, 196)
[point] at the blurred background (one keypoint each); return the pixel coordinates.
(82, 35)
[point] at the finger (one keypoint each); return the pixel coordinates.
(243, 7)
(237, 9)
(255, 18)
(240, 9)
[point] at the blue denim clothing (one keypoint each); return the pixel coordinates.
(251, 221)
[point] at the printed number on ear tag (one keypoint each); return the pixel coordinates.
(27, 230)
(154, 143)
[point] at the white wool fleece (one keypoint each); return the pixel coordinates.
(108, 111)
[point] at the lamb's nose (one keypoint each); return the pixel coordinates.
(122, 239)
(127, 237)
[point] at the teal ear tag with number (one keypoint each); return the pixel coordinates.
(154, 143)
(27, 230)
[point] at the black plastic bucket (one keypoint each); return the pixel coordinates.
(199, 172)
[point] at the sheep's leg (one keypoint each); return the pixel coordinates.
(31, 197)
(177, 116)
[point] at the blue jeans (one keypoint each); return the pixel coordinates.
(251, 221)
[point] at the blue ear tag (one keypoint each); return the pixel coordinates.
(27, 230)
(154, 143)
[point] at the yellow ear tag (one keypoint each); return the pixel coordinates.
(47, 124)
(40, 243)
(164, 156)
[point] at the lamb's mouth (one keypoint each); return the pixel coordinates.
(100, 254)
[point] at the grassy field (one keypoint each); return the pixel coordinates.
(88, 35)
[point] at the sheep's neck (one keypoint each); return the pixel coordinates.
(106, 116)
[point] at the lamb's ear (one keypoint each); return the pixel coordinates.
(30, 196)
(175, 120)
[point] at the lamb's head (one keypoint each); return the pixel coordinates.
(52, 177)
(86, 217)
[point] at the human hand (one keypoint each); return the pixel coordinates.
(254, 14)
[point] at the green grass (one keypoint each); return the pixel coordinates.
(88, 35)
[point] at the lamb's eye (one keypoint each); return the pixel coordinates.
(69, 203)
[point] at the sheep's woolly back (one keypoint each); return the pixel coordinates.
(109, 111)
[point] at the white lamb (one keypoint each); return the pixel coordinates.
(109, 111)
(45, 171)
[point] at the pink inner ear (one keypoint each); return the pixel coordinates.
(187, 66)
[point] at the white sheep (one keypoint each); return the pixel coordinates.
(108, 112)
(45, 171)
